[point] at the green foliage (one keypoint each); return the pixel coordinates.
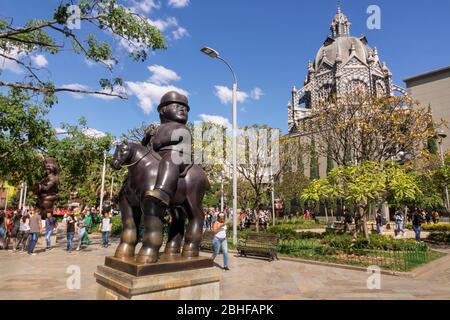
(436, 227)
(116, 229)
(370, 182)
(23, 131)
(440, 237)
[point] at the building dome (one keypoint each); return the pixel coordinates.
(342, 48)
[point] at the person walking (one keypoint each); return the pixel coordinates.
(435, 217)
(24, 231)
(81, 224)
(105, 228)
(2, 230)
(398, 217)
(89, 222)
(417, 221)
(70, 229)
(12, 227)
(50, 225)
(35, 230)
(379, 220)
(220, 240)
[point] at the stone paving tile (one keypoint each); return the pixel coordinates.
(44, 276)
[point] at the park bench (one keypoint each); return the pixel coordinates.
(259, 244)
(207, 241)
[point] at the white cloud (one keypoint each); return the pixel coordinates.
(60, 131)
(10, 65)
(149, 94)
(162, 75)
(179, 3)
(180, 33)
(256, 93)
(225, 95)
(94, 133)
(39, 60)
(217, 120)
(144, 6)
(163, 25)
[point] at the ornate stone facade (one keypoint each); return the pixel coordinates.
(343, 63)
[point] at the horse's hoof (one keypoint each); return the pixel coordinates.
(172, 251)
(146, 259)
(124, 251)
(147, 255)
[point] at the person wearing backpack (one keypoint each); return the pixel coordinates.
(417, 221)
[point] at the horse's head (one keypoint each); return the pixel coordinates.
(122, 155)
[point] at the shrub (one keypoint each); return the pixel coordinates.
(285, 232)
(441, 237)
(436, 227)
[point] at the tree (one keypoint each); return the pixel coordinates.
(80, 157)
(314, 173)
(432, 141)
(18, 43)
(292, 179)
(24, 132)
(370, 182)
(356, 128)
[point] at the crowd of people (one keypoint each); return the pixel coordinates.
(20, 230)
(416, 217)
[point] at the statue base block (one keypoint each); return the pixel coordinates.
(172, 278)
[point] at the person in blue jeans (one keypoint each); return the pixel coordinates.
(220, 240)
(70, 232)
(417, 221)
(35, 230)
(50, 225)
(105, 228)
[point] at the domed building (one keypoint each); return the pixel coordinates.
(343, 64)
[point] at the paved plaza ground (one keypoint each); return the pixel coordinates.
(44, 276)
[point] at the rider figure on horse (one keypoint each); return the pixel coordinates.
(172, 141)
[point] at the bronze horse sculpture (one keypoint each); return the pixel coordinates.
(142, 163)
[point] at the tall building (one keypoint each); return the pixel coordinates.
(342, 64)
(433, 89)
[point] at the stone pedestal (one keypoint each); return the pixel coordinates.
(169, 279)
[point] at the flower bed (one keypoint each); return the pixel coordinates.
(403, 256)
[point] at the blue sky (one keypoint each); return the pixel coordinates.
(268, 43)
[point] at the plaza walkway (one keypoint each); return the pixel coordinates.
(44, 276)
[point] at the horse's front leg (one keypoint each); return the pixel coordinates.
(153, 234)
(129, 235)
(176, 231)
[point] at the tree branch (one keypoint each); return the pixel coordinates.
(47, 90)
(24, 65)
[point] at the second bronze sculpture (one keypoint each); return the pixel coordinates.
(160, 177)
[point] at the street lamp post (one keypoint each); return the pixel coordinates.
(21, 196)
(214, 54)
(442, 136)
(103, 182)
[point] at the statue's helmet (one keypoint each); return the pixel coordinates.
(173, 97)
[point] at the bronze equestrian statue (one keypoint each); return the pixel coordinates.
(47, 189)
(161, 177)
